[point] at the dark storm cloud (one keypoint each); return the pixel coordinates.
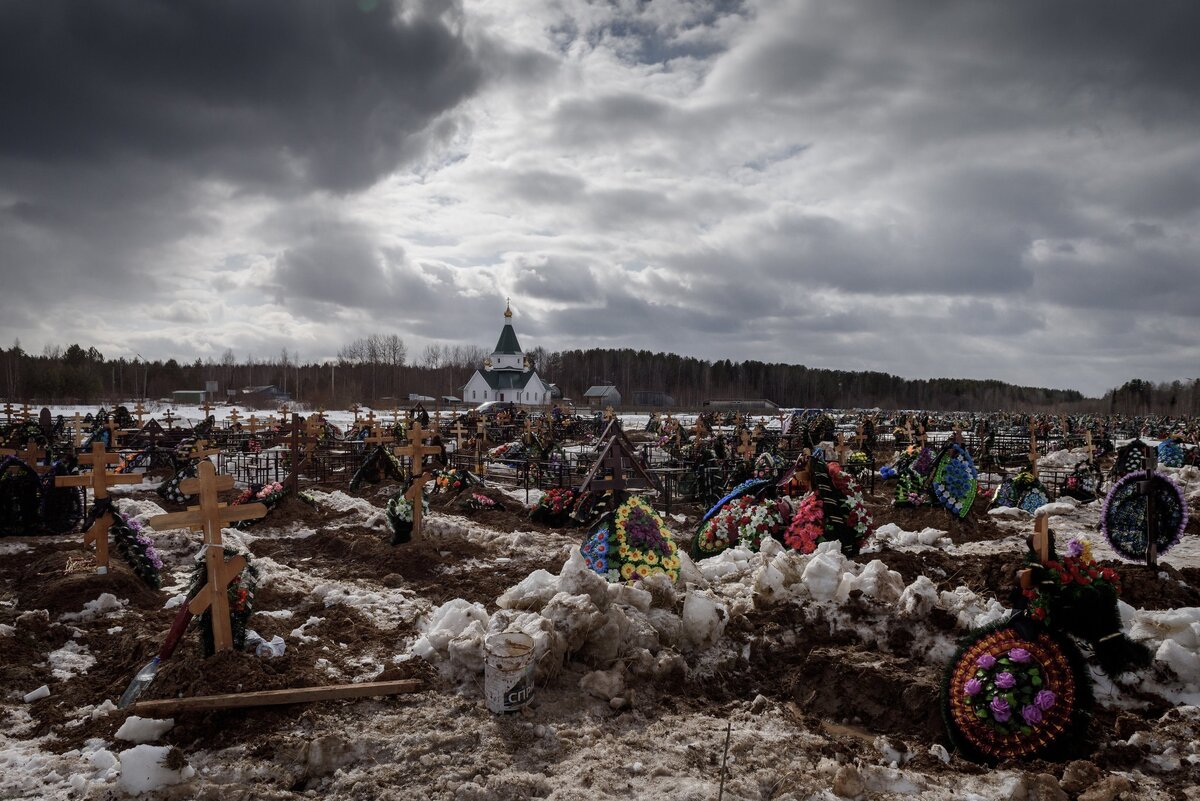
(269, 94)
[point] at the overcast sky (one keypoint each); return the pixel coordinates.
(929, 188)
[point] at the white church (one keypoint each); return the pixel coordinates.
(506, 374)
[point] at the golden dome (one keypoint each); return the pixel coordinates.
(507, 309)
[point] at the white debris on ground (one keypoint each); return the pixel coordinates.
(70, 660)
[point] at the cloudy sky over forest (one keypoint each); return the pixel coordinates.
(924, 187)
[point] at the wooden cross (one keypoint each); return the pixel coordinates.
(354, 407)
(8, 412)
(395, 416)
(32, 454)
(416, 449)
(739, 419)
(841, 448)
(480, 439)
(77, 429)
(208, 517)
(1041, 546)
(608, 414)
(458, 431)
(612, 459)
(858, 435)
(252, 422)
(114, 432)
(958, 435)
(1091, 449)
(1033, 453)
(207, 407)
(370, 419)
(233, 418)
(283, 410)
(25, 413)
(200, 450)
(415, 495)
(377, 437)
(99, 480)
(921, 428)
(170, 418)
(1146, 490)
(746, 449)
(140, 412)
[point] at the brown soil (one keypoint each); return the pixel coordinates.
(975, 527)
(57, 591)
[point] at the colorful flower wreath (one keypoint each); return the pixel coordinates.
(555, 505)
(1123, 516)
(743, 521)
(136, 548)
(1024, 491)
(1074, 579)
(1170, 453)
(631, 544)
(451, 480)
(482, 503)
(809, 527)
(241, 599)
(955, 480)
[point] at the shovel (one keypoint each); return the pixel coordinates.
(146, 675)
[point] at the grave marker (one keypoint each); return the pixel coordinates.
(209, 517)
(416, 450)
(99, 480)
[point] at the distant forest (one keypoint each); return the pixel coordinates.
(377, 371)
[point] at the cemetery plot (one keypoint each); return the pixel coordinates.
(823, 669)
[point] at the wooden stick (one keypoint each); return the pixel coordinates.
(299, 695)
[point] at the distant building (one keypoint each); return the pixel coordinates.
(598, 397)
(741, 405)
(507, 374)
(645, 397)
(268, 394)
(189, 396)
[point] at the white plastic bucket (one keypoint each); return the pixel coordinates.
(508, 671)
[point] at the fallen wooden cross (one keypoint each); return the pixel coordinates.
(99, 480)
(300, 695)
(208, 517)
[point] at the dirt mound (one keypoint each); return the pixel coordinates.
(989, 575)
(59, 591)
(975, 527)
(1164, 587)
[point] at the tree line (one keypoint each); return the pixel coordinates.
(377, 370)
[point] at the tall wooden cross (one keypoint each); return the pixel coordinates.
(99, 480)
(114, 432)
(1033, 452)
(370, 419)
(208, 517)
(841, 448)
(354, 407)
(858, 435)
(170, 418)
(480, 440)
(395, 415)
(252, 423)
(8, 412)
(416, 450)
(207, 407)
(1091, 449)
(140, 412)
(233, 418)
(26, 413)
(378, 437)
(458, 431)
(283, 410)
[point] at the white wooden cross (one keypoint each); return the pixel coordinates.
(208, 517)
(99, 480)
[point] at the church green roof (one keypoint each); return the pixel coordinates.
(508, 344)
(506, 379)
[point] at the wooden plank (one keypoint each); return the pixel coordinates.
(301, 695)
